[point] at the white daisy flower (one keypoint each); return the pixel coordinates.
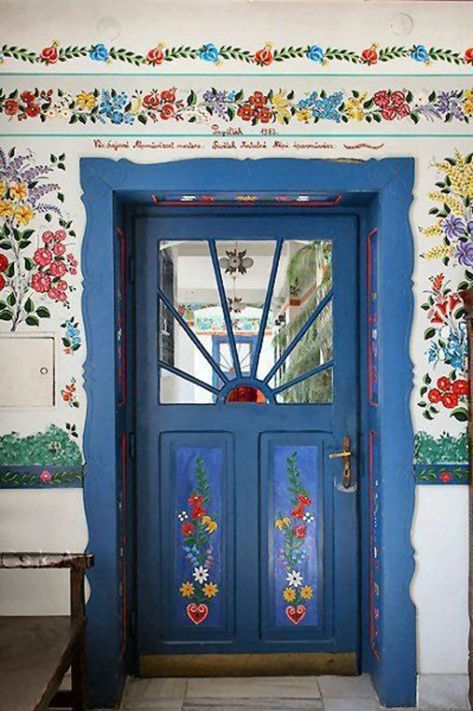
(200, 574)
(294, 579)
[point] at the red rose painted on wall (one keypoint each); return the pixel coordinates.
(264, 57)
(50, 55)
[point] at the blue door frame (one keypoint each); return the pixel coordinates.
(380, 193)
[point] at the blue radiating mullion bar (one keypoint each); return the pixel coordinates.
(318, 369)
(187, 376)
(226, 311)
(192, 335)
(267, 306)
(327, 298)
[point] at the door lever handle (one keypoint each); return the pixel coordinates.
(346, 455)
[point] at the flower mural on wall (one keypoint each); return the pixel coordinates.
(274, 106)
(197, 525)
(294, 527)
(71, 339)
(35, 263)
(262, 56)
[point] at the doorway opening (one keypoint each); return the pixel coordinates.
(358, 570)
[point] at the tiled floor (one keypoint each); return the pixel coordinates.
(328, 693)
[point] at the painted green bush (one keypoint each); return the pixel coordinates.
(52, 447)
(442, 449)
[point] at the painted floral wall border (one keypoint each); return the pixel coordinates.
(217, 55)
(171, 105)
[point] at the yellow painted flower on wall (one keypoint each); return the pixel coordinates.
(85, 100)
(18, 191)
(289, 594)
(468, 102)
(186, 589)
(355, 107)
(6, 209)
(303, 115)
(210, 590)
(282, 522)
(23, 214)
(282, 107)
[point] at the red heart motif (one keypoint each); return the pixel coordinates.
(197, 613)
(296, 614)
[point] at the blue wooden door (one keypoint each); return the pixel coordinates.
(247, 530)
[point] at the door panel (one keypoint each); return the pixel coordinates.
(247, 539)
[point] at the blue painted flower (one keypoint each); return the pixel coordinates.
(465, 253)
(323, 107)
(112, 106)
(454, 227)
(209, 53)
(99, 53)
(420, 53)
(315, 53)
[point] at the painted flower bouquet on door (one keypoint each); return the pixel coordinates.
(197, 527)
(295, 527)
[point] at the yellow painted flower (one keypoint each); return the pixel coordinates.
(282, 107)
(18, 191)
(86, 100)
(186, 589)
(355, 108)
(23, 214)
(468, 102)
(3, 188)
(307, 592)
(210, 525)
(210, 589)
(136, 104)
(460, 175)
(303, 115)
(439, 252)
(6, 209)
(282, 522)
(289, 594)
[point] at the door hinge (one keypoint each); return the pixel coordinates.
(131, 269)
(132, 446)
(133, 623)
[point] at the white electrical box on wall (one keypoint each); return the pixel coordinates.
(26, 371)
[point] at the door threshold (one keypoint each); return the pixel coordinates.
(215, 665)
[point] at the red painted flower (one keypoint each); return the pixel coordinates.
(168, 96)
(369, 55)
(245, 112)
(264, 57)
(57, 269)
(3, 262)
(32, 110)
(445, 476)
(449, 400)
(45, 477)
(2, 282)
(151, 101)
(398, 98)
(10, 107)
(42, 257)
(264, 115)
(300, 531)
(258, 99)
(196, 501)
(381, 98)
(155, 56)
(303, 499)
(27, 96)
(188, 528)
(469, 55)
(389, 113)
(61, 295)
(444, 384)
(167, 112)
(50, 54)
(40, 282)
(434, 395)
(61, 285)
(60, 235)
(59, 249)
(47, 237)
(460, 387)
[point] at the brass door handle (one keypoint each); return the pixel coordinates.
(346, 455)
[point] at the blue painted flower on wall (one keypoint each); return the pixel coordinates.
(420, 53)
(112, 105)
(99, 53)
(209, 53)
(315, 53)
(323, 106)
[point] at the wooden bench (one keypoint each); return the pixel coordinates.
(37, 651)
